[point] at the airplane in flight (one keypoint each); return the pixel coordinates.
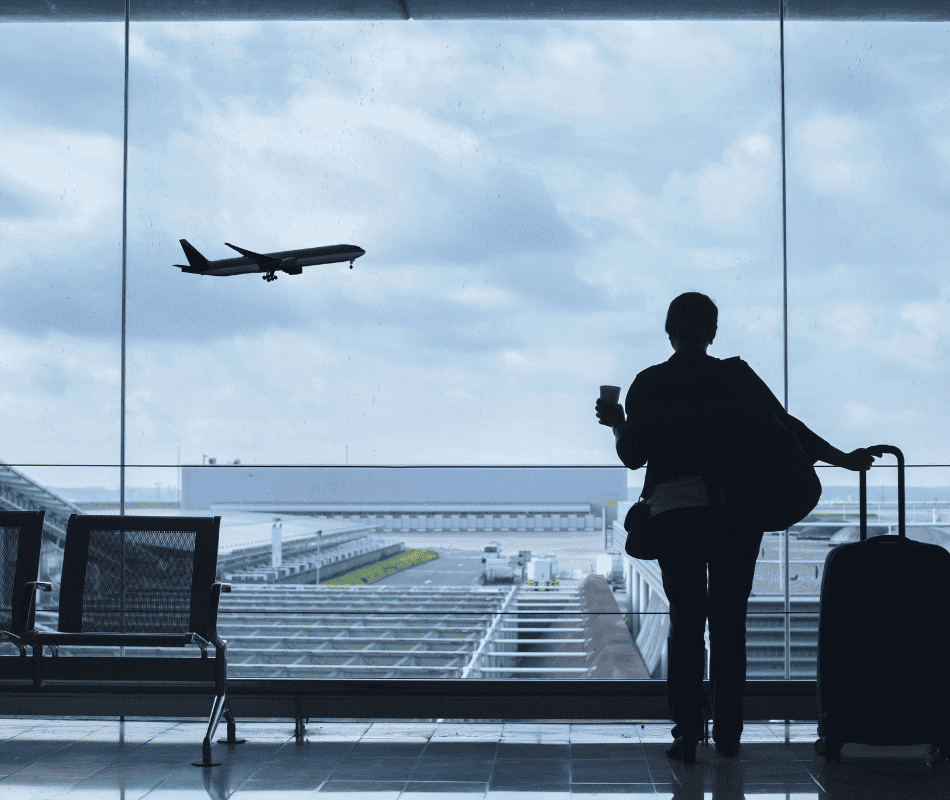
(290, 261)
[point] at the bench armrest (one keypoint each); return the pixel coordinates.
(12, 638)
(29, 599)
(216, 589)
(202, 643)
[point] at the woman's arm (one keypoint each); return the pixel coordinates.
(628, 439)
(629, 445)
(856, 460)
(814, 445)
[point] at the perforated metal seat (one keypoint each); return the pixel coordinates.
(21, 535)
(139, 582)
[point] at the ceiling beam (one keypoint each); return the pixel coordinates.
(329, 10)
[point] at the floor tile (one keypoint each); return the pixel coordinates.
(369, 769)
(455, 761)
(452, 769)
(532, 750)
(529, 773)
(444, 790)
(461, 749)
(395, 749)
(610, 771)
(293, 784)
(272, 778)
(607, 750)
(594, 791)
(357, 790)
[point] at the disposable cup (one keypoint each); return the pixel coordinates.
(610, 394)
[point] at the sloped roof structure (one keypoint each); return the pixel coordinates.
(20, 493)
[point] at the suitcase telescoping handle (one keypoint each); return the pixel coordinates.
(878, 451)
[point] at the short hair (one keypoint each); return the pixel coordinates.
(693, 318)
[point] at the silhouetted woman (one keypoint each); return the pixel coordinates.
(664, 429)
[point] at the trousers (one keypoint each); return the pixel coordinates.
(692, 541)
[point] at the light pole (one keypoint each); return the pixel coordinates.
(319, 538)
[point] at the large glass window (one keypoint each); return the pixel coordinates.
(869, 294)
(530, 197)
(61, 253)
(416, 435)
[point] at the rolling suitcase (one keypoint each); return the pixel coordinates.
(883, 634)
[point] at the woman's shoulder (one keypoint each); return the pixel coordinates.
(735, 363)
(660, 373)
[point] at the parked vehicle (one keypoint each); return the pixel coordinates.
(492, 550)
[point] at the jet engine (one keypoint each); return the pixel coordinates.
(289, 265)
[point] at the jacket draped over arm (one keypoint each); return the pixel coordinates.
(665, 408)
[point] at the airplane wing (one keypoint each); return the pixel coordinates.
(267, 262)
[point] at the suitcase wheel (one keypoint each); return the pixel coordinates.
(939, 754)
(832, 751)
(820, 746)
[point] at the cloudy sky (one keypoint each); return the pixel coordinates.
(530, 197)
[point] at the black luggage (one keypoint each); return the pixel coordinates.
(883, 635)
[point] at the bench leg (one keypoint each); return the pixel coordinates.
(232, 727)
(299, 726)
(220, 702)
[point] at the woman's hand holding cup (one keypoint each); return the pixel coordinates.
(608, 409)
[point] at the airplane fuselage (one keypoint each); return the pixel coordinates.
(291, 261)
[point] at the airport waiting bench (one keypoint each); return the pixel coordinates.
(21, 534)
(136, 582)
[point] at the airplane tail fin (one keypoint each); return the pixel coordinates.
(197, 261)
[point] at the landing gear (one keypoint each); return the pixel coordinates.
(351, 265)
(270, 276)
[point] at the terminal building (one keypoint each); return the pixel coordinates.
(416, 498)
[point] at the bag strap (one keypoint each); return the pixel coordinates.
(711, 471)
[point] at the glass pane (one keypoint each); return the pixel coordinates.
(61, 107)
(868, 295)
(867, 211)
(530, 197)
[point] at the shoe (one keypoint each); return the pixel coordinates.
(727, 749)
(683, 749)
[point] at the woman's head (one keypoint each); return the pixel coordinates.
(692, 319)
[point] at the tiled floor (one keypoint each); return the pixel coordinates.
(70, 759)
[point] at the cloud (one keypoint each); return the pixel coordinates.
(62, 75)
(929, 345)
(530, 196)
(14, 205)
(718, 258)
(742, 183)
(68, 176)
(760, 319)
(851, 321)
(63, 392)
(860, 415)
(837, 155)
(60, 248)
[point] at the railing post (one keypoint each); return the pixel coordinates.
(644, 599)
(633, 589)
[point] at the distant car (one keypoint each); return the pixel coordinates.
(817, 532)
(492, 549)
(853, 533)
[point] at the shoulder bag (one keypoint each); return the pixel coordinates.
(768, 481)
(640, 541)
